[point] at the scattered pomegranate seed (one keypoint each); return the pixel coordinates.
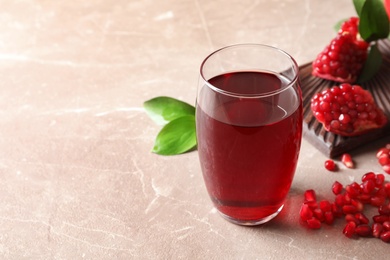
(330, 165)
(349, 229)
(362, 218)
(380, 218)
(377, 229)
(363, 230)
(349, 202)
(386, 225)
(337, 187)
(310, 196)
(329, 218)
(385, 236)
(313, 223)
(305, 212)
(346, 159)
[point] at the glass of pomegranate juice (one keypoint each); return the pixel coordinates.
(249, 129)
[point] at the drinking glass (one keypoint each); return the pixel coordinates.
(249, 129)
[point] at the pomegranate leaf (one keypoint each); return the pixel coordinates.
(374, 22)
(372, 64)
(176, 137)
(358, 5)
(165, 109)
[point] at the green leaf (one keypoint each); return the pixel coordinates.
(358, 5)
(177, 137)
(372, 64)
(165, 109)
(374, 22)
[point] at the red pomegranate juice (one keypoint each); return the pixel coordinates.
(248, 147)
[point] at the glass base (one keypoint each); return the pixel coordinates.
(251, 222)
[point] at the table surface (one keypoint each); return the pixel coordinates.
(78, 179)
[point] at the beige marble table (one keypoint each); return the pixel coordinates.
(78, 180)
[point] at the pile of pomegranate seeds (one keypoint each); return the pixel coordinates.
(349, 203)
(383, 156)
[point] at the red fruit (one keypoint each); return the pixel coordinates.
(349, 209)
(325, 206)
(386, 225)
(329, 218)
(362, 218)
(310, 196)
(384, 210)
(338, 109)
(337, 188)
(330, 165)
(369, 176)
(305, 212)
(385, 236)
(313, 223)
(343, 59)
(368, 186)
(363, 230)
(346, 159)
(377, 229)
(380, 218)
(349, 229)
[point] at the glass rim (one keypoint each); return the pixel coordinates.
(291, 82)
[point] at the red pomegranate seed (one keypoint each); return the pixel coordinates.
(377, 229)
(351, 218)
(382, 151)
(330, 165)
(387, 189)
(386, 225)
(347, 199)
(310, 195)
(365, 198)
(305, 212)
(359, 206)
(349, 229)
(377, 201)
(380, 218)
(380, 178)
(329, 218)
(384, 159)
(325, 205)
(352, 191)
(337, 187)
(369, 176)
(339, 200)
(385, 236)
(346, 159)
(318, 214)
(362, 218)
(363, 230)
(368, 186)
(313, 223)
(336, 210)
(384, 210)
(349, 209)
